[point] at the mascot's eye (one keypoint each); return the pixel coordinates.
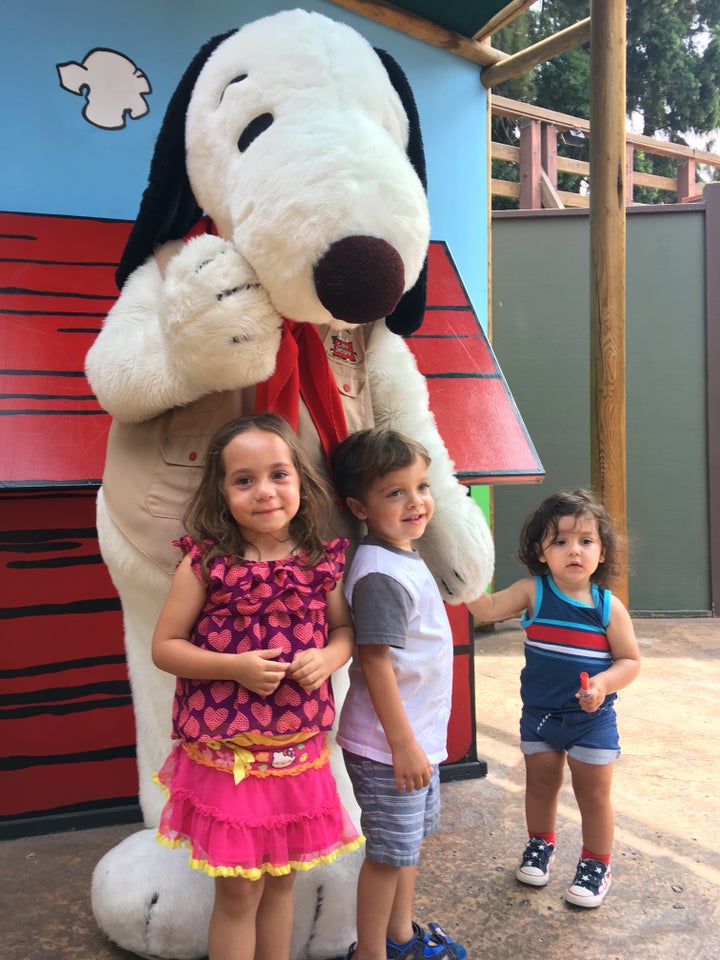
(254, 129)
(238, 79)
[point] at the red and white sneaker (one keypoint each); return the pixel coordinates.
(536, 861)
(591, 884)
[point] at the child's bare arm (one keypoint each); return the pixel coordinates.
(411, 765)
(626, 660)
(506, 603)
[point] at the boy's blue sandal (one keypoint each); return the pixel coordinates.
(435, 944)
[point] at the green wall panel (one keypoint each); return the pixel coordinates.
(541, 337)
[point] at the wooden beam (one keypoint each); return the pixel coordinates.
(519, 63)
(509, 12)
(517, 110)
(420, 28)
(607, 264)
(505, 151)
(548, 193)
(505, 188)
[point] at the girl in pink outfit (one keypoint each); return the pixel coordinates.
(253, 627)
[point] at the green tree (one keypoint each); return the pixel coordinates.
(673, 75)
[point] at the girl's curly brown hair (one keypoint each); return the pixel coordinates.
(543, 522)
(208, 518)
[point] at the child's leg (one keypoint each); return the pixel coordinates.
(232, 923)
(592, 786)
(400, 928)
(274, 920)
(544, 774)
(377, 889)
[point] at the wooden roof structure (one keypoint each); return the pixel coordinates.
(465, 27)
(462, 26)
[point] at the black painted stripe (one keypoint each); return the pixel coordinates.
(100, 605)
(61, 665)
(62, 710)
(21, 762)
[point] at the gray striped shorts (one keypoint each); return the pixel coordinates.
(393, 822)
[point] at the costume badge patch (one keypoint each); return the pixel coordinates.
(342, 348)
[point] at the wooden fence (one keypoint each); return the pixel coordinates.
(539, 161)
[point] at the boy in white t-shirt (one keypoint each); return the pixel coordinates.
(393, 725)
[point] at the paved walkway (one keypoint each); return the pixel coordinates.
(665, 900)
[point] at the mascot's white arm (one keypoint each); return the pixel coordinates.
(457, 545)
(206, 326)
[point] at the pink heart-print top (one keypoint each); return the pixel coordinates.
(257, 605)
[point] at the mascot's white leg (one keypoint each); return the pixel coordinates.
(145, 897)
(142, 587)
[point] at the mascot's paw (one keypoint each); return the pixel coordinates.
(458, 548)
(147, 899)
(325, 899)
(216, 318)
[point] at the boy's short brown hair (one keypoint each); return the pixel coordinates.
(359, 460)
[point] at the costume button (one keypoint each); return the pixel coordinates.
(346, 387)
(192, 456)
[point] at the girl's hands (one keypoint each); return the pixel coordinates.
(260, 672)
(310, 668)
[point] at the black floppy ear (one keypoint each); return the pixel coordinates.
(408, 314)
(168, 208)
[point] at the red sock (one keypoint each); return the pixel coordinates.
(589, 855)
(547, 837)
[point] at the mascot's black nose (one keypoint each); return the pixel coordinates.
(360, 279)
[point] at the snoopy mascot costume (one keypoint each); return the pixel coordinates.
(277, 261)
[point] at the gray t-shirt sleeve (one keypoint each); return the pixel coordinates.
(381, 609)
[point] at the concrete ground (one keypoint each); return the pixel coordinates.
(665, 899)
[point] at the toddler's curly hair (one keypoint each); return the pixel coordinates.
(543, 523)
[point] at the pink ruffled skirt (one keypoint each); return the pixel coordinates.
(245, 808)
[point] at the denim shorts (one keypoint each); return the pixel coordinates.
(590, 737)
(393, 822)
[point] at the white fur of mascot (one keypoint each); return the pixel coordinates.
(301, 144)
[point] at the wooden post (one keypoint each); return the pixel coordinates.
(607, 256)
(629, 170)
(548, 151)
(530, 165)
(686, 188)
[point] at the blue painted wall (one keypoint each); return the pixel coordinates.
(54, 161)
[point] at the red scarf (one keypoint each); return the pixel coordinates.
(302, 370)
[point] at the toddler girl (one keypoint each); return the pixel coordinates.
(574, 626)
